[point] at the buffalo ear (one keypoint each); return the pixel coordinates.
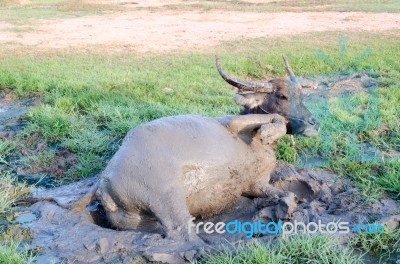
(250, 100)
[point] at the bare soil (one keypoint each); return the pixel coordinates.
(167, 30)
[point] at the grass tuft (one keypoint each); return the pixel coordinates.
(384, 246)
(296, 249)
(10, 190)
(289, 6)
(11, 254)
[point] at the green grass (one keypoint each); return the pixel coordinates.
(296, 249)
(10, 190)
(11, 254)
(348, 124)
(383, 246)
(36, 10)
(90, 101)
(7, 148)
(291, 6)
(373, 178)
(41, 160)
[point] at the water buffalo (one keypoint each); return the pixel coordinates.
(282, 96)
(173, 168)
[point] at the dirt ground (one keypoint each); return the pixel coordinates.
(168, 30)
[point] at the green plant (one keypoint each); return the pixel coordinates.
(295, 249)
(10, 190)
(11, 254)
(383, 245)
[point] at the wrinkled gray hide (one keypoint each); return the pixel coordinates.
(173, 168)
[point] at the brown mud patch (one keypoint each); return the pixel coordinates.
(166, 31)
(62, 161)
(83, 237)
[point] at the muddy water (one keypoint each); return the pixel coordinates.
(84, 237)
(11, 112)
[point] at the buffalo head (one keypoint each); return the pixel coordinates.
(281, 96)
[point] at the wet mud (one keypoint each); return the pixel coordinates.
(12, 113)
(85, 237)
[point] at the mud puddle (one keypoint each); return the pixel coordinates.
(12, 121)
(84, 237)
(12, 112)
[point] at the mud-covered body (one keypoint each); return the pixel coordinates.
(175, 167)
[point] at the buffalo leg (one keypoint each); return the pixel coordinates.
(286, 200)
